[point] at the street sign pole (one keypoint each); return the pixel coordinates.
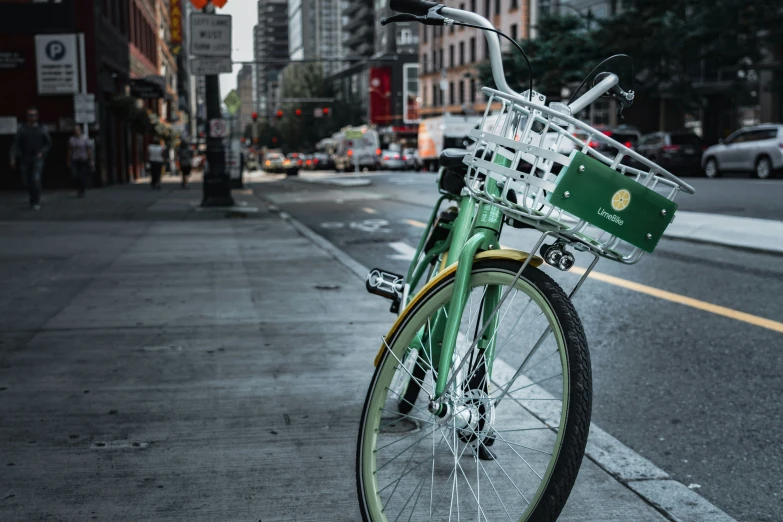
(217, 183)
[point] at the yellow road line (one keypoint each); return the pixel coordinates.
(681, 299)
(414, 223)
(370, 210)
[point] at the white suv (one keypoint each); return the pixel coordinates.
(758, 150)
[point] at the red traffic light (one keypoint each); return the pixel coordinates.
(254, 116)
(298, 112)
(274, 140)
(279, 114)
(326, 111)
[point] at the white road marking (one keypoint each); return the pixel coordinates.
(370, 225)
(404, 251)
(332, 224)
(370, 210)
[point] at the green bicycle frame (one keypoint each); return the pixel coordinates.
(476, 228)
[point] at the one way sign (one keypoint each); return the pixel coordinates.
(210, 35)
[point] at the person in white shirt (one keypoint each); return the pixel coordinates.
(79, 159)
(156, 152)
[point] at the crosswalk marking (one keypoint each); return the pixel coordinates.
(404, 251)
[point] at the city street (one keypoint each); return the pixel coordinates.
(695, 392)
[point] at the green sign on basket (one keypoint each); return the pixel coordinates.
(603, 197)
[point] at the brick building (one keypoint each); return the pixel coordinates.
(128, 66)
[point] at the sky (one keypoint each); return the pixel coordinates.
(245, 16)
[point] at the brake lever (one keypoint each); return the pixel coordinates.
(404, 17)
(625, 99)
(431, 18)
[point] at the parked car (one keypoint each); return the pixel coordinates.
(274, 163)
(294, 162)
(391, 161)
(322, 161)
(757, 150)
(677, 152)
(411, 159)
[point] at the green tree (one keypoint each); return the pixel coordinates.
(563, 53)
(676, 45)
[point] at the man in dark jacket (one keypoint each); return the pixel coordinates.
(29, 150)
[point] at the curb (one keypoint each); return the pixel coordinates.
(652, 485)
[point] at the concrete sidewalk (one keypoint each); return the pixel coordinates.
(162, 363)
(762, 235)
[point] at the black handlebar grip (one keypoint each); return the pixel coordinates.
(414, 7)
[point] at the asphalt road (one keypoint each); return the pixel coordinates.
(698, 394)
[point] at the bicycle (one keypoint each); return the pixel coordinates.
(503, 431)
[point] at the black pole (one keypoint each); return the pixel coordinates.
(217, 183)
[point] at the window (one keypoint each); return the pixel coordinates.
(514, 32)
(472, 6)
(440, 59)
(473, 90)
(514, 4)
(473, 49)
(434, 95)
(497, 7)
(461, 92)
(424, 33)
(451, 55)
(424, 62)
(410, 94)
(486, 8)
(462, 53)
(738, 137)
(451, 93)
(434, 61)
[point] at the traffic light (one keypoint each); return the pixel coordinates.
(298, 113)
(326, 111)
(279, 114)
(274, 140)
(254, 116)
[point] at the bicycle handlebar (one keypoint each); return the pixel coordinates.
(447, 15)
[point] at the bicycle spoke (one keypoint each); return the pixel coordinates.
(535, 383)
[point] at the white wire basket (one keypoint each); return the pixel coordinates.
(542, 167)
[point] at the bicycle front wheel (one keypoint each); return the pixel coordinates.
(519, 399)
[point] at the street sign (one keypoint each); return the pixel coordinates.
(175, 23)
(56, 64)
(84, 108)
(210, 66)
(353, 135)
(8, 125)
(218, 128)
(233, 102)
(210, 34)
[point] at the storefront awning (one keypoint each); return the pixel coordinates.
(148, 88)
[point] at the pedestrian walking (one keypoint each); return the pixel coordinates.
(185, 161)
(31, 144)
(79, 159)
(156, 155)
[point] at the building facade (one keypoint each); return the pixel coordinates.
(245, 89)
(271, 50)
(128, 67)
(449, 56)
(359, 27)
